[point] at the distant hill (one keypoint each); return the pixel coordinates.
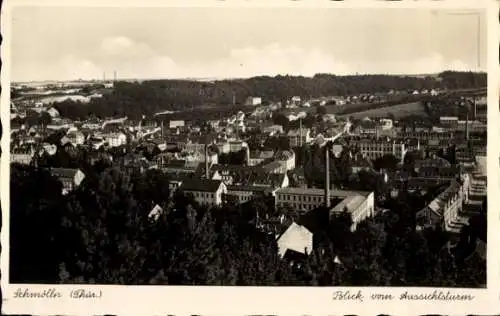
(150, 96)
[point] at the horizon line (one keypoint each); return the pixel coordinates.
(249, 77)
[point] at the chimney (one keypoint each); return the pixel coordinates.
(162, 131)
(207, 171)
(467, 127)
(475, 107)
(327, 176)
(300, 130)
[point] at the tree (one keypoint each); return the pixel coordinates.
(388, 162)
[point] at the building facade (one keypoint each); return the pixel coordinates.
(205, 191)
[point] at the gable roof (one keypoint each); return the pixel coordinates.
(296, 238)
(63, 172)
(201, 185)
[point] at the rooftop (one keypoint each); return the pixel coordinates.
(63, 172)
(314, 191)
(351, 202)
(202, 185)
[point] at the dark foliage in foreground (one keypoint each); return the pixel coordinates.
(100, 233)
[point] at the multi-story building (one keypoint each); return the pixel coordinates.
(223, 147)
(237, 145)
(76, 138)
(175, 124)
(286, 159)
(112, 139)
(22, 156)
(194, 146)
(253, 101)
(309, 198)
(275, 167)
(376, 148)
(205, 191)
(258, 156)
(446, 209)
(298, 137)
(425, 134)
(245, 193)
(273, 130)
(360, 205)
(70, 178)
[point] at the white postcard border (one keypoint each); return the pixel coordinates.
(205, 300)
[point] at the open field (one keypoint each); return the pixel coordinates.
(399, 111)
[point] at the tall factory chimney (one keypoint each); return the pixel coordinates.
(207, 171)
(114, 76)
(475, 107)
(300, 132)
(467, 127)
(234, 98)
(327, 175)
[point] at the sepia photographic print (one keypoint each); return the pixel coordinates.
(244, 147)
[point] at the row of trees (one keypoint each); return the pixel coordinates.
(149, 97)
(100, 233)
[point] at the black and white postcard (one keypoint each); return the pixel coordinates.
(247, 157)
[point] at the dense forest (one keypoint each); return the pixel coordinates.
(100, 233)
(148, 97)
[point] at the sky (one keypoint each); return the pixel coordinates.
(67, 43)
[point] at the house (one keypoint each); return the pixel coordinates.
(360, 204)
(195, 146)
(181, 166)
(70, 178)
(361, 164)
(174, 182)
(96, 143)
(245, 193)
(52, 112)
(76, 138)
(275, 167)
(223, 147)
(328, 118)
(50, 149)
(253, 101)
(205, 191)
(286, 159)
(296, 238)
(377, 148)
(258, 156)
(22, 156)
(112, 139)
(155, 213)
(299, 137)
(296, 99)
(366, 127)
(272, 130)
(446, 210)
(270, 180)
(237, 145)
(176, 124)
